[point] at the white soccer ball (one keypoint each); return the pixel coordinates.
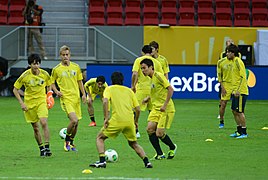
(111, 155)
(62, 133)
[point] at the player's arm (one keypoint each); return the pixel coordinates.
(17, 95)
(105, 112)
(169, 95)
(134, 80)
(82, 90)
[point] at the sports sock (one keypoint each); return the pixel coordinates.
(239, 129)
(68, 137)
(221, 121)
(166, 139)
(155, 142)
(47, 145)
(145, 160)
(41, 146)
(137, 130)
(102, 157)
(92, 118)
(71, 141)
(244, 130)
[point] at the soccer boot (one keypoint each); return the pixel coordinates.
(171, 153)
(235, 134)
(43, 153)
(92, 123)
(66, 146)
(98, 164)
(242, 136)
(158, 157)
(221, 125)
(73, 148)
(48, 152)
(149, 165)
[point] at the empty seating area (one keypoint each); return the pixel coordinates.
(11, 12)
(228, 13)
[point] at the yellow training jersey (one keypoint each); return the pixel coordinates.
(159, 92)
(94, 87)
(66, 78)
(122, 101)
(35, 86)
(164, 63)
(144, 82)
(239, 77)
(224, 70)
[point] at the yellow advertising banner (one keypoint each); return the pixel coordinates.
(196, 45)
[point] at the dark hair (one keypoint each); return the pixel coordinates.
(147, 49)
(148, 62)
(117, 78)
(100, 79)
(34, 58)
(232, 48)
(154, 44)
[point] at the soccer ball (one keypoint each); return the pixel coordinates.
(62, 133)
(111, 155)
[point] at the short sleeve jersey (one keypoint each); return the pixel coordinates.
(159, 92)
(35, 85)
(122, 101)
(93, 84)
(144, 82)
(224, 70)
(164, 63)
(66, 78)
(239, 77)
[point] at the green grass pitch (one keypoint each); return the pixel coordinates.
(195, 121)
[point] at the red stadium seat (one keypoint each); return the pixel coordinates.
(241, 6)
(150, 18)
(114, 6)
(186, 18)
(133, 6)
(224, 19)
(205, 19)
(187, 6)
(169, 18)
(133, 19)
(241, 19)
(115, 18)
(3, 17)
(17, 5)
(260, 19)
(4, 5)
(96, 11)
(205, 6)
(15, 18)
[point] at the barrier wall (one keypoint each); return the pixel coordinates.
(191, 82)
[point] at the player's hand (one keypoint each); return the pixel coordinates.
(163, 108)
(23, 107)
(50, 100)
(84, 99)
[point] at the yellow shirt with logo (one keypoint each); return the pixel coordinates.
(164, 63)
(92, 82)
(239, 77)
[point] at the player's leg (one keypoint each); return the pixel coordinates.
(90, 109)
(221, 112)
(164, 123)
(43, 122)
(139, 150)
(38, 138)
(239, 114)
(71, 128)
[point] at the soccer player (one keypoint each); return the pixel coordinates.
(36, 81)
(160, 58)
(240, 92)
(69, 79)
(163, 110)
(141, 84)
(122, 101)
(94, 87)
(224, 99)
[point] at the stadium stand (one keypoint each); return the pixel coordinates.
(150, 12)
(132, 12)
(96, 11)
(114, 12)
(169, 12)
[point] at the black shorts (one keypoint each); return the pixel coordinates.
(239, 103)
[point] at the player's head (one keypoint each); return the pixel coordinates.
(231, 51)
(65, 53)
(100, 81)
(34, 58)
(117, 78)
(147, 67)
(146, 49)
(229, 42)
(155, 48)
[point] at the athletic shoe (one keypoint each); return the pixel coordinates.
(48, 152)
(138, 135)
(221, 125)
(98, 164)
(234, 135)
(92, 123)
(149, 165)
(73, 147)
(242, 136)
(158, 157)
(67, 146)
(43, 153)
(171, 153)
